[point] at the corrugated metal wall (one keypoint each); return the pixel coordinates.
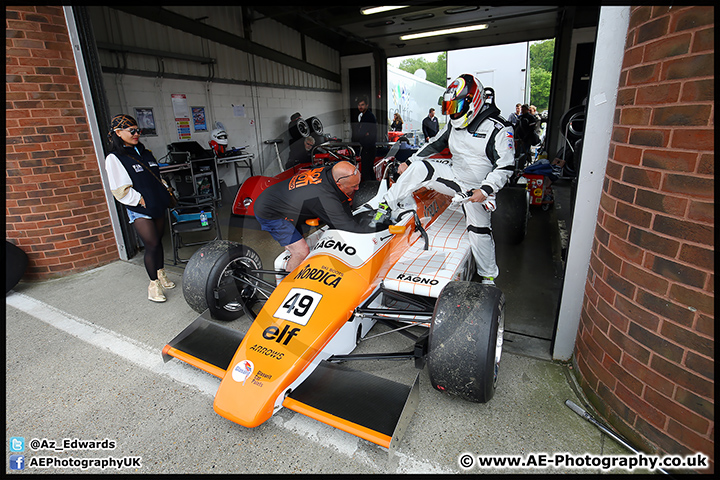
(120, 29)
(144, 62)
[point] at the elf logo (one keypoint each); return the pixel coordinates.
(273, 333)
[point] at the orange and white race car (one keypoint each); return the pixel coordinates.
(295, 354)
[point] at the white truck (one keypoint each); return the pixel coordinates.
(412, 97)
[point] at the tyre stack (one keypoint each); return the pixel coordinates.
(301, 128)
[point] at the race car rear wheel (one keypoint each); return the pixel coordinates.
(465, 340)
(509, 221)
(208, 281)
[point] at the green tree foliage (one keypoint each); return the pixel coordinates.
(541, 61)
(540, 88)
(436, 71)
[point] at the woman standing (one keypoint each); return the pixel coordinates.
(134, 177)
(397, 123)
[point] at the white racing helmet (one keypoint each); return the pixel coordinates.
(220, 136)
(463, 100)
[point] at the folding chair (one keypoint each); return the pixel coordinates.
(184, 219)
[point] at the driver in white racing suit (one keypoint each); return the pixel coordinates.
(483, 159)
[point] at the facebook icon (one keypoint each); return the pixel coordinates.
(17, 462)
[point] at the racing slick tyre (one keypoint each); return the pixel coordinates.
(16, 262)
(465, 340)
(509, 221)
(572, 123)
(366, 191)
(208, 281)
(316, 126)
(298, 129)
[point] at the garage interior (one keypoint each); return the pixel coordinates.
(252, 67)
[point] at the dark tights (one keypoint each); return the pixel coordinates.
(151, 232)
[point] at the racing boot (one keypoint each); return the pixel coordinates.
(164, 280)
(155, 292)
(382, 214)
(488, 280)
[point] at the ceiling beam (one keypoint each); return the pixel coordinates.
(188, 25)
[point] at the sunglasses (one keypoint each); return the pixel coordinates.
(132, 131)
(346, 176)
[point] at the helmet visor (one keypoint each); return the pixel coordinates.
(453, 106)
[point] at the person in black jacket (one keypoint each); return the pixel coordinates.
(430, 126)
(300, 152)
(134, 178)
(365, 133)
(525, 134)
(324, 192)
(397, 123)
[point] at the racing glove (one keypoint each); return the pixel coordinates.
(489, 204)
(462, 197)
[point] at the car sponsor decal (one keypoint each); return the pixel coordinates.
(329, 277)
(242, 371)
(259, 377)
(353, 249)
(268, 352)
(416, 279)
(335, 244)
(283, 337)
(298, 306)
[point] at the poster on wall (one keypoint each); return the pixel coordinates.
(146, 121)
(180, 105)
(182, 115)
(238, 110)
(183, 128)
(199, 122)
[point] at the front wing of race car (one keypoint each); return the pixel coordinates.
(370, 407)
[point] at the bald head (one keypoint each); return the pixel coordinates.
(342, 169)
(347, 177)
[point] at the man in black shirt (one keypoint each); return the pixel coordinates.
(323, 192)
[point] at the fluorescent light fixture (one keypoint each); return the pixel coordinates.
(448, 31)
(371, 10)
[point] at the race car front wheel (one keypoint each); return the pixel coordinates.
(465, 340)
(216, 278)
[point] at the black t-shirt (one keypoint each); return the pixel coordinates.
(312, 193)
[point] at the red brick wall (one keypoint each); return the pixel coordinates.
(55, 205)
(645, 347)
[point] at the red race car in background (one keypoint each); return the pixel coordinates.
(323, 154)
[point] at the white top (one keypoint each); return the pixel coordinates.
(120, 182)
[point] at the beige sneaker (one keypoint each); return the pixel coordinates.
(164, 280)
(155, 292)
